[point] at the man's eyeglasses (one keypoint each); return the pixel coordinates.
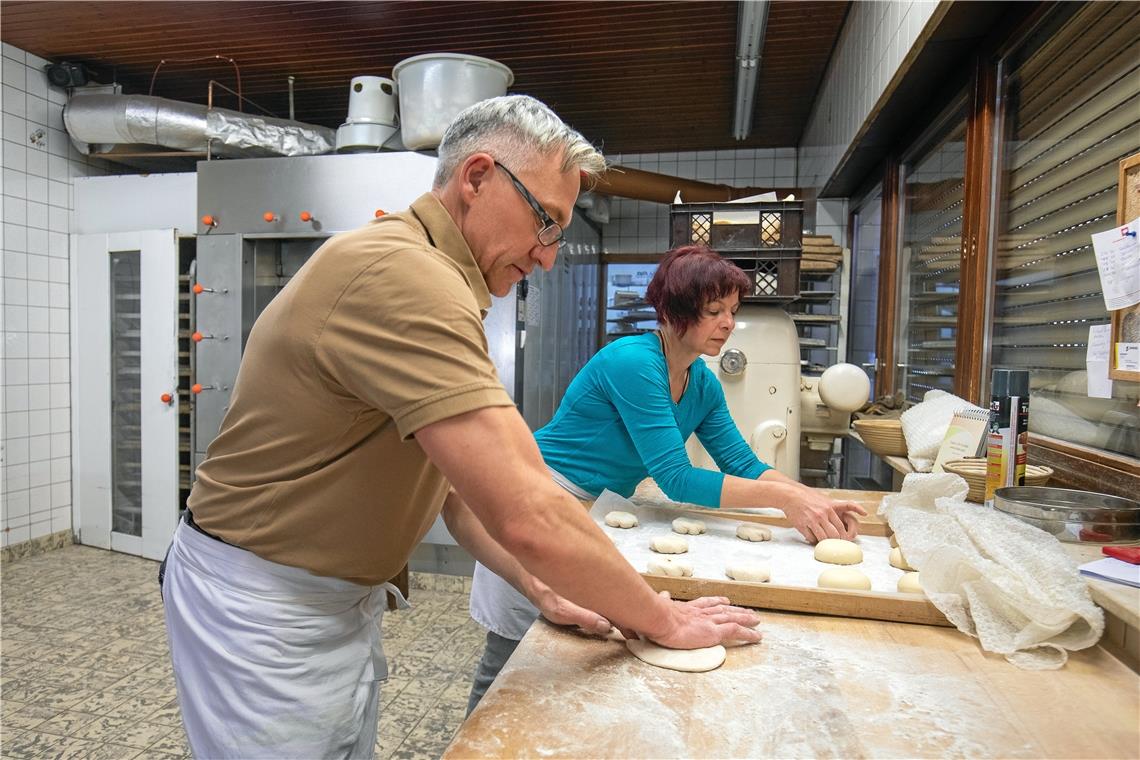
(551, 232)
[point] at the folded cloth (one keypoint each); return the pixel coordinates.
(1007, 583)
(924, 426)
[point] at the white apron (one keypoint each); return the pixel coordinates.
(495, 604)
(271, 661)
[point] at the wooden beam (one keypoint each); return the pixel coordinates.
(974, 292)
(888, 282)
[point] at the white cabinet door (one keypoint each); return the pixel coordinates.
(124, 359)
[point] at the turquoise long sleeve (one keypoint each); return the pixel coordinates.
(618, 424)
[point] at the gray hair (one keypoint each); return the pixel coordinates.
(515, 129)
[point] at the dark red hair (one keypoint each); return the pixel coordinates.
(688, 278)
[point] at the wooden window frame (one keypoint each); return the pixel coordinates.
(1074, 465)
(891, 219)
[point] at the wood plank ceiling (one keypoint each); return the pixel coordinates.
(631, 76)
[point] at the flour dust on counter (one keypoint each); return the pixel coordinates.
(624, 709)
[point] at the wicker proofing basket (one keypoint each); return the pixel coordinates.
(882, 436)
(973, 471)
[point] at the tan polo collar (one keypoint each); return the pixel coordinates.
(445, 236)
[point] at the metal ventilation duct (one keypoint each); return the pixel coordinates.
(107, 119)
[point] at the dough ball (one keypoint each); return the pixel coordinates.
(753, 533)
(688, 660)
(898, 560)
(837, 551)
(621, 520)
(759, 572)
(894, 540)
(844, 577)
(675, 568)
(669, 545)
(910, 584)
(685, 526)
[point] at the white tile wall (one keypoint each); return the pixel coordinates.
(643, 226)
(38, 164)
(831, 219)
(874, 40)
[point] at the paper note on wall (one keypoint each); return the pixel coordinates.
(1128, 357)
(1118, 262)
(1096, 361)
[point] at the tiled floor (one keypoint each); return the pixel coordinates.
(84, 669)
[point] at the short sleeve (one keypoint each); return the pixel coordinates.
(406, 337)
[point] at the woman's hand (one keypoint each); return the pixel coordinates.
(817, 516)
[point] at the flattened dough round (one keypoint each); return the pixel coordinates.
(844, 577)
(837, 551)
(758, 572)
(676, 568)
(686, 526)
(898, 560)
(753, 533)
(669, 545)
(910, 583)
(618, 519)
(686, 660)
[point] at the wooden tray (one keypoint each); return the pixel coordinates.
(871, 605)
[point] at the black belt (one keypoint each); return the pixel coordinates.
(190, 521)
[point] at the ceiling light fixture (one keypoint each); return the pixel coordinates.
(751, 20)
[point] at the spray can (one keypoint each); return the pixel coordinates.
(1009, 430)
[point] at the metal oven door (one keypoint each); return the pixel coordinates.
(124, 361)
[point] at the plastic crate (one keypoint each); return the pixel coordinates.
(764, 239)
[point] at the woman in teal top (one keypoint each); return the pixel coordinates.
(627, 415)
(618, 424)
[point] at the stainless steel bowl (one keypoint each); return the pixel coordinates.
(1074, 516)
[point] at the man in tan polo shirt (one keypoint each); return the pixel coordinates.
(366, 389)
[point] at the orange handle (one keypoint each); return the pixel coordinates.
(306, 216)
(196, 388)
(209, 221)
(197, 337)
(198, 288)
(166, 398)
(269, 216)
(380, 212)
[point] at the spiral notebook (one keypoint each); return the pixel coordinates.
(966, 436)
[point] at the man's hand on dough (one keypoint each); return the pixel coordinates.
(708, 621)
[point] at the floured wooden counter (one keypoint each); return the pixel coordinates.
(814, 687)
